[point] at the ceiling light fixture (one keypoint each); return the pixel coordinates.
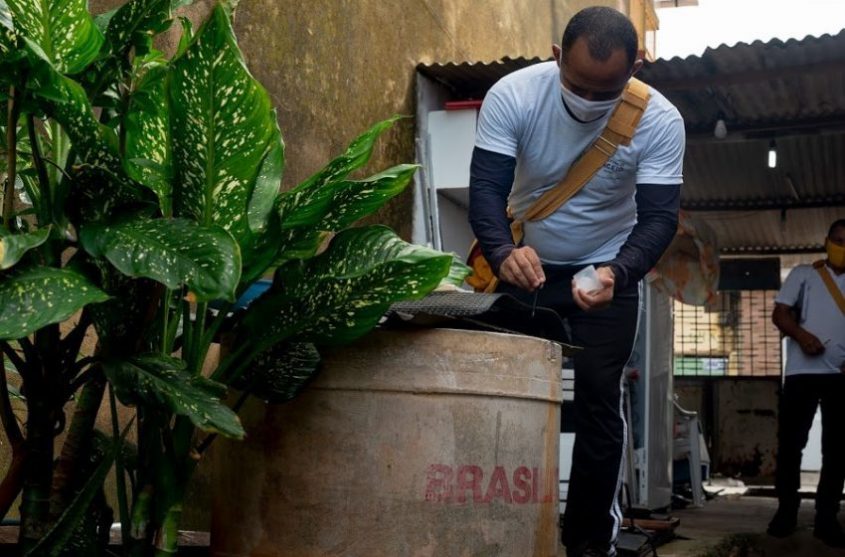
(721, 130)
(773, 154)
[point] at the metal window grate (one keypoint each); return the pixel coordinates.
(734, 336)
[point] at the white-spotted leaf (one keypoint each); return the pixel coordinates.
(159, 381)
(63, 30)
(340, 295)
(146, 125)
(223, 130)
(7, 32)
(135, 24)
(171, 251)
(356, 156)
(14, 246)
(280, 373)
(39, 296)
(337, 204)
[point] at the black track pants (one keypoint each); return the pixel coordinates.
(607, 335)
(799, 399)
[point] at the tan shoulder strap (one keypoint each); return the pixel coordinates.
(831, 286)
(619, 131)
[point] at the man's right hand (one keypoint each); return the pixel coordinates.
(809, 343)
(523, 269)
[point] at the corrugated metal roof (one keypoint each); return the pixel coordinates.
(468, 80)
(792, 92)
(757, 84)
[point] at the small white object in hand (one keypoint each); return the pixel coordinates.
(587, 279)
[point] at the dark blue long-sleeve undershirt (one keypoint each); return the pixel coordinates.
(491, 179)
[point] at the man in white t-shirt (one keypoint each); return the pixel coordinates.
(534, 123)
(810, 311)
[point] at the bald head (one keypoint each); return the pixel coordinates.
(604, 31)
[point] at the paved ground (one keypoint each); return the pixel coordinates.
(734, 525)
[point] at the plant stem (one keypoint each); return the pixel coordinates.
(199, 351)
(187, 331)
(72, 342)
(213, 329)
(46, 209)
(38, 475)
(223, 373)
(77, 444)
(141, 512)
(17, 361)
(165, 329)
(7, 415)
(12, 158)
(172, 327)
(59, 151)
(43, 408)
(120, 472)
(167, 537)
(13, 480)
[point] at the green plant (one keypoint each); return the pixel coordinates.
(141, 200)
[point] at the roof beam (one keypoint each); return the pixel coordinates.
(752, 76)
(771, 250)
(758, 204)
(832, 124)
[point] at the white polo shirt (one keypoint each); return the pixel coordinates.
(523, 116)
(819, 315)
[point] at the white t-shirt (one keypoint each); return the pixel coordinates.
(523, 116)
(819, 315)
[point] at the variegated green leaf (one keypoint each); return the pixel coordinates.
(458, 272)
(309, 214)
(259, 251)
(156, 380)
(136, 23)
(14, 246)
(223, 129)
(280, 373)
(146, 125)
(39, 296)
(262, 253)
(356, 156)
(7, 32)
(102, 20)
(100, 181)
(95, 143)
(171, 251)
(298, 243)
(63, 30)
(338, 296)
(268, 181)
(131, 27)
(335, 205)
(187, 36)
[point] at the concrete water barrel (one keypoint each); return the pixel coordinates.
(440, 443)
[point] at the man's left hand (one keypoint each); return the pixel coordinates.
(599, 298)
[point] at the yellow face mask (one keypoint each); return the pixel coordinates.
(835, 254)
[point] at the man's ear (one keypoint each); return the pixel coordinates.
(556, 50)
(637, 66)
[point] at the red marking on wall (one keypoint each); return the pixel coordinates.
(465, 483)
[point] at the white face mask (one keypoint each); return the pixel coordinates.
(584, 110)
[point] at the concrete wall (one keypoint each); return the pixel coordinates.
(335, 67)
(739, 417)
